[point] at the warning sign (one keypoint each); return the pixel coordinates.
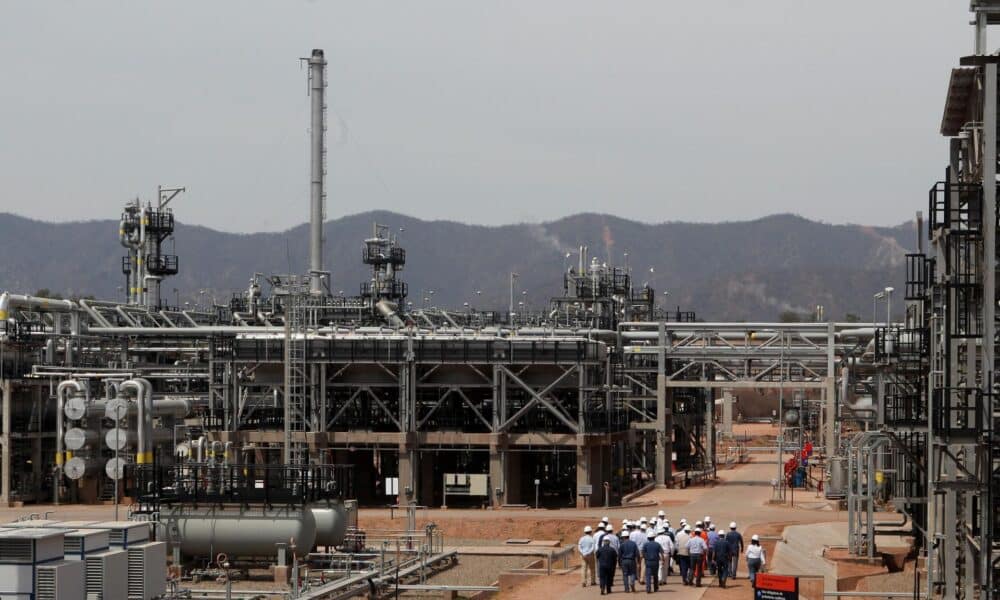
(776, 587)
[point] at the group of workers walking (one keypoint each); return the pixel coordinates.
(649, 549)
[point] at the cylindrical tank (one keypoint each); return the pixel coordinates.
(76, 438)
(115, 468)
(76, 408)
(79, 467)
(116, 409)
(178, 408)
(837, 485)
(791, 416)
(331, 524)
(118, 438)
(237, 531)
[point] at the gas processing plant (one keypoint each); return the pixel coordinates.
(276, 415)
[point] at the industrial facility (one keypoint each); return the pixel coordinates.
(249, 434)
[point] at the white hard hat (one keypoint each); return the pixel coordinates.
(663, 530)
(687, 529)
(642, 520)
(642, 526)
(698, 523)
(651, 533)
(605, 520)
(708, 518)
(683, 521)
(624, 533)
(587, 529)
(732, 525)
(609, 528)
(755, 538)
(624, 520)
(697, 529)
(661, 513)
(712, 526)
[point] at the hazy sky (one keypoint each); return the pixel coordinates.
(483, 112)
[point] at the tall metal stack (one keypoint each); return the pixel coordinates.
(317, 180)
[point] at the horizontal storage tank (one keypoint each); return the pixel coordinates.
(237, 531)
(76, 438)
(331, 523)
(79, 467)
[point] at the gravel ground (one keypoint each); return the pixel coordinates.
(891, 582)
(479, 570)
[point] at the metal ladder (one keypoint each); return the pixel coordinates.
(296, 380)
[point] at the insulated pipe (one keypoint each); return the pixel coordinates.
(145, 417)
(177, 408)
(140, 271)
(199, 446)
(388, 311)
(141, 388)
(94, 314)
(10, 301)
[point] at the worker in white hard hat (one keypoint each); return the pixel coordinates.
(652, 554)
(636, 535)
(683, 558)
(756, 559)
(735, 540)
(696, 551)
(587, 547)
(711, 539)
(668, 553)
(628, 556)
(610, 533)
(607, 560)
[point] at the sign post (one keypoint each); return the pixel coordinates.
(775, 587)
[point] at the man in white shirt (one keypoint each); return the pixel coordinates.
(683, 558)
(587, 546)
(697, 547)
(668, 552)
(610, 534)
(599, 534)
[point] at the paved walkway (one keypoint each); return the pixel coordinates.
(741, 495)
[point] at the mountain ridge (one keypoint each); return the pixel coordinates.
(731, 270)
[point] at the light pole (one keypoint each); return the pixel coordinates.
(875, 299)
(888, 306)
(513, 276)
